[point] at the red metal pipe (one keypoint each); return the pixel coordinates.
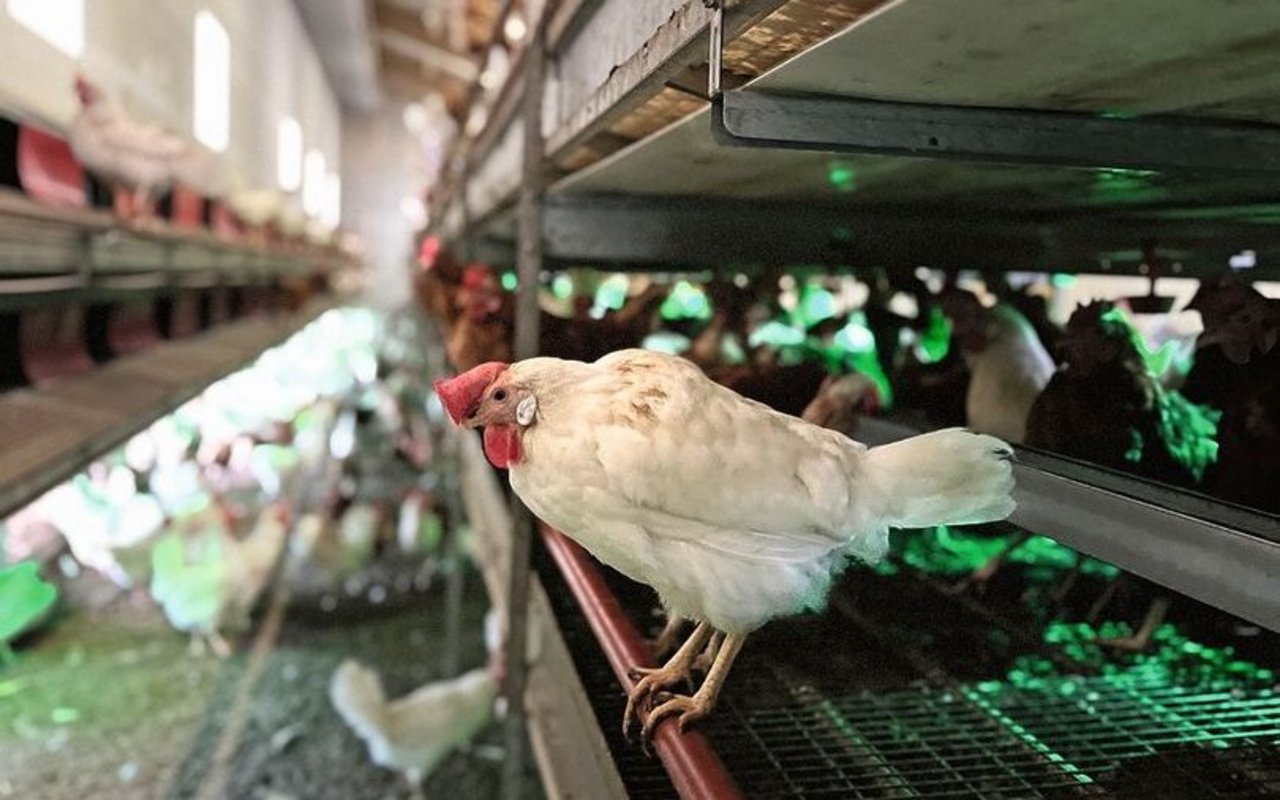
(695, 769)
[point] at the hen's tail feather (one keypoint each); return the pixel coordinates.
(357, 694)
(948, 477)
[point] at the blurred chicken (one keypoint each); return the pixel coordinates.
(1104, 406)
(414, 733)
(582, 338)
(208, 581)
(841, 401)
(787, 388)
(1237, 370)
(1008, 366)
(1143, 428)
(123, 152)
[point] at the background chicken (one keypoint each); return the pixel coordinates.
(414, 733)
(1104, 406)
(1237, 370)
(735, 513)
(123, 152)
(841, 400)
(1008, 366)
(208, 582)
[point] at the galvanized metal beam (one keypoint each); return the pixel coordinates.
(828, 123)
(529, 268)
(657, 232)
(1214, 552)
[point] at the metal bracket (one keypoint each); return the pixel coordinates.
(715, 56)
(1014, 136)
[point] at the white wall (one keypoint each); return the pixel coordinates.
(142, 50)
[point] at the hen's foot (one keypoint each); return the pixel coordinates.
(692, 709)
(674, 672)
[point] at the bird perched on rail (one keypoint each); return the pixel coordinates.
(735, 513)
(123, 152)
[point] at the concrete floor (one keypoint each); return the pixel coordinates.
(109, 703)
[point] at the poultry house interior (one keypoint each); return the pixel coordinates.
(595, 399)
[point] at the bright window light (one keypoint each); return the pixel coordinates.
(213, 82)
(58, 22)
(313, 187)
(289, 154)
(332, 214)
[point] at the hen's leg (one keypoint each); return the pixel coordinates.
(707, 658)
(668, 640)
(676, 670)
(692, 709)
(979, 577)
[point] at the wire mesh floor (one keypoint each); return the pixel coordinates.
(817, 708)
(1072, 738)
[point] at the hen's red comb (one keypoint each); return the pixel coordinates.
(462, 394)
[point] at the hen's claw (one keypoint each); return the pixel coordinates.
(675, 671)
(690, 709)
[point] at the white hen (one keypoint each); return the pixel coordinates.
(120, 150)
(735, 513)
(1008, 365)
(414, 733)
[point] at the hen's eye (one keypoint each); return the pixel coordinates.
(500, 395)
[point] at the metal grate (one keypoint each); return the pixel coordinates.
(841, 706)
(1081, 737)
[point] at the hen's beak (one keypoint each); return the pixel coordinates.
(461, 395)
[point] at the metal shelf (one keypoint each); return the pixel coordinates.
(52, 254)
(907, 57)
(52, 431)
(1223, 555)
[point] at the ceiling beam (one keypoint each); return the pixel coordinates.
(429, 55)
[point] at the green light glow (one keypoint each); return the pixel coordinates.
(562, 287)
(935, 341)
(510, 281)
(686, 301)
(842, 176)
(612, 292)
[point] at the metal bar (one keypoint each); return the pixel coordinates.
(695, 769)
(650, 231)
(1236, 569)
(1015, 136)
(715, 56)
(529, 269)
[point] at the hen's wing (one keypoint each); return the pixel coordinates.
(703, 464)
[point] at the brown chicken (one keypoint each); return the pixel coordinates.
(1237, 370)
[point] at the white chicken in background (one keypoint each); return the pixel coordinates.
(207, 581)
(414, 733)
(1008, 365)
(254, 206)
(121, 151)
(736, 514)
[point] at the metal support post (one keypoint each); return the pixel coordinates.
(529, 268)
